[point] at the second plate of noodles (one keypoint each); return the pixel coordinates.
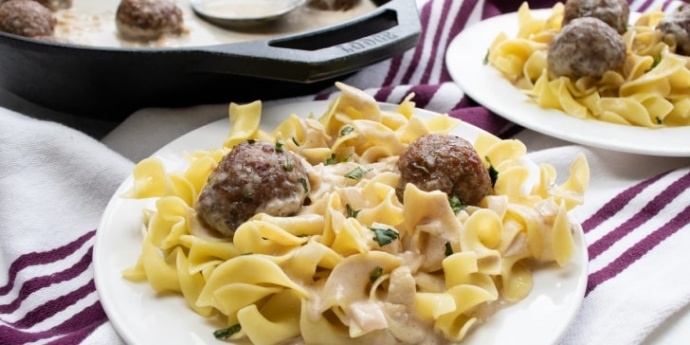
(355, 264)
(644, 111)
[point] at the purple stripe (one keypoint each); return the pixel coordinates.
(55, 306)
(645, 5)
(42, 258)
(611, 208)
(416, 56)
(423, 94)
(648, 212)
(38, 283)
(438, 34)
(511, 131)
(480, 117)
(76, 337)
(84, 321)
(637, 251)
(396, 63)
(458, 24)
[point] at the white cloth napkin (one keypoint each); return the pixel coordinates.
(56, 181)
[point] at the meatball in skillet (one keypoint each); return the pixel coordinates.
(675, 28)
(615, 13)
(26, 18)
(586, 47)
(254, 177)
(148, 19)
(446, 163)
(333, 5)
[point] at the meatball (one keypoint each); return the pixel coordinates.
(254, 177)
(26, 18)
(55, 5)
(675, 28)
(615, 13)
(586, 47)
(447, 163)
(148, 19)
(333, 5)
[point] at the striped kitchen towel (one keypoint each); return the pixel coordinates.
(55, 183)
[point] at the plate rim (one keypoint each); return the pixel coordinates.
(475, 79)
(101, 269)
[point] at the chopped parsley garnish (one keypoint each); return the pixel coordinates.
(350, 212)
(224, 333)
(659, 120)
(304, 235)
(279, 145)
(493, 173)
(449, 249)
(486, 57)
(294, 140)
(346, 130)
(356, 174)
(331, 160)
(288, 165)
(376, 273)
(420, 167)
(384, 236)
(347, 158)
(657, 61)
(456, 204)
(251, 141)
(247, 253)
(304, 184)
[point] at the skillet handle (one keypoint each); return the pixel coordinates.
(323, 54)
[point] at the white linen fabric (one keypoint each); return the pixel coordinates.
(56, 181)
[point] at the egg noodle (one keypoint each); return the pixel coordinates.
(652, 90)
(357, 266)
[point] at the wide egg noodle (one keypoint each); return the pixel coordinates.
(322, 274)
(652, 90)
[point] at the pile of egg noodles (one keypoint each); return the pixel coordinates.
(323, 276)
(653, 90)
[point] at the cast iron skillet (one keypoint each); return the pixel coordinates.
(110, 83)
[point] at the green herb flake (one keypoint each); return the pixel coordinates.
(350, 212)
(279, 145)
(288, 165)
(449, 249)
(456, 204)
(294, 140)
(657, 61)
(384, 236)
(356, 174)
(376, 274)
(659, 120)
(304, 184)
(304, 235)
(420, 167)
(346, 130)
(486, 57)
(251, 141)
(347, 158)
(331, 160)
(493, 173)
(225, 333)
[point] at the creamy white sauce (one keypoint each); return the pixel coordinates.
(245, 8)
(92, 23)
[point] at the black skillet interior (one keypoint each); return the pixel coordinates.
(108, 83)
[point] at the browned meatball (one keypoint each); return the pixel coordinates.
(586, 47)
(333, 5)
(148, 19)
(26, 18)
(447, 163)
(612, 12)
(55, 5)
(254, 177)
(675, 28)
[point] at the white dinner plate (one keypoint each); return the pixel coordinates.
(142, 317)
(485, 84)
